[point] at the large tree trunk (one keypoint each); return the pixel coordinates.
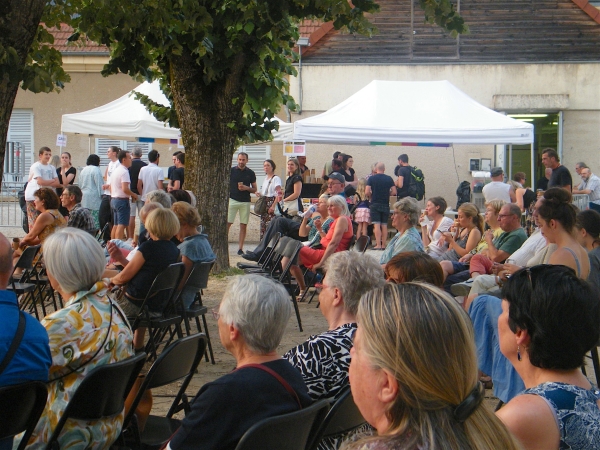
(203, 115)
(19, 20)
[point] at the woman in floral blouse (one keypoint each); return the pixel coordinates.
(88, 332)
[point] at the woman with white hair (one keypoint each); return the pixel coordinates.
(407, 239)
(252, 318)
(337, 239)
(88, 332)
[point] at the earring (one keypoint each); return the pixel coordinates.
(519, 352)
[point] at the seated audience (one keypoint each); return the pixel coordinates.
(252, 318)
(88, 332)
(404, 219)
(498, 249)
(31, 359)
(337, 240)
(286, 226)
(588, 236)
(316, 225)
(549, 322)
(414, 266)
(181, 196)
(194, 247)
(78, 217)
(433, 224)
(152, 257)
(416, 386)
(465, 235)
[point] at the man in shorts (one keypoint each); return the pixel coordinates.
(120, 193)
(242, 182)
(379, 188)
(134, 173)
(41, 174)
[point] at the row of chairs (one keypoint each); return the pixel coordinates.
(102, 394)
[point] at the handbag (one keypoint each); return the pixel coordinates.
(291, 207)
(260, 207)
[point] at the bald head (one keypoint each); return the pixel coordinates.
(6, 265)
(380, 167)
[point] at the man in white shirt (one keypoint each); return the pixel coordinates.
(590, 185)
(120, 194)
(41, 174)
(105, 214)
(497, 189)
(151, 176)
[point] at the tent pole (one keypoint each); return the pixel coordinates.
(510, 164)
(533, 158)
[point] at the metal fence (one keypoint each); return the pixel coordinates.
(13, 180)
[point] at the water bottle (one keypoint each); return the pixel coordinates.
(311, 209)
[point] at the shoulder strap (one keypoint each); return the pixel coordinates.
(14, 346)
(575, 258)
(278, 377)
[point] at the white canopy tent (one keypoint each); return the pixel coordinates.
(127, 117)
(430, 112)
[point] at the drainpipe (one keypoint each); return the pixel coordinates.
(302, 42)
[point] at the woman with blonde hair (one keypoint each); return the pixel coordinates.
(414, 376)
(468, 230)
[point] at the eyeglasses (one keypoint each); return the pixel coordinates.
(331, 184)
(215, 313)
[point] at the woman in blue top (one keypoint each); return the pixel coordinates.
(194, 246)
(407, 239)
(549, 322)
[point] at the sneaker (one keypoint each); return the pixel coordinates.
(462, 289)
(240, 252)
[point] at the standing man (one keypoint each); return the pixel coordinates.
(542, 183)
(242, 182)
(591, 187)
(78, 217)
(561, 177)
(41, 174)
(402, 171)
(120, 194)
(304, 171)
(105, 214)
(151, 176)
(134, 171)
(177, 175)
(578, 166)
(173, 167)
(379, 188)
(497, 189)
(327, 169)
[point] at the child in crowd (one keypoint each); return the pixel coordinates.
(362, 216)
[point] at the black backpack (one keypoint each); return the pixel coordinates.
(463, 193)
(416, 188)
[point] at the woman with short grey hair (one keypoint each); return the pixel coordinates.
(407, 239)
(324, 359)
(159, 196)
(88, 332)
(251, 319)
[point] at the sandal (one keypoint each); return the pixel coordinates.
(301, 294)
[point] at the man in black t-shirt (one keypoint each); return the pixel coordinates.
(242, 182)
(561, 177)
(134, 171)
(404, 175)
(379, 188)
(178, 174)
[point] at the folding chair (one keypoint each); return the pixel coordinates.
(25, 285)
(178, 361)
(595, 362)
(361, 244)
(290, 431)
(290, 251)
(22, 406)
(264, 259)
(165, 286)
(343, 418)
(272, 266)
(101, 394)
(197, 280)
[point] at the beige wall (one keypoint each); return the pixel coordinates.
(572, 88)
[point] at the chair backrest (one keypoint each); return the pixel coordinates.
(198, 277)
(179, 360)
(25, 261)
(101, 393)
(362, 243)
(343, 417)
(167, 280)
(22, 405)
(264, 257)
(290, 431)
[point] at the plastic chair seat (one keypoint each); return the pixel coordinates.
(196, 311)
(157, 428)
(165, 320)
(21, 288)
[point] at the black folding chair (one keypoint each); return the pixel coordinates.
(272, 266)
(361, 244)
(290, 431)
(21, 406)
(264, 260)
(101, 394)
(197, 281)
(165, 287)
(290, 251)
(178, 361)
(25, 285)
(343, 418)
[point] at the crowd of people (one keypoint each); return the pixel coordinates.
(414, 333)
